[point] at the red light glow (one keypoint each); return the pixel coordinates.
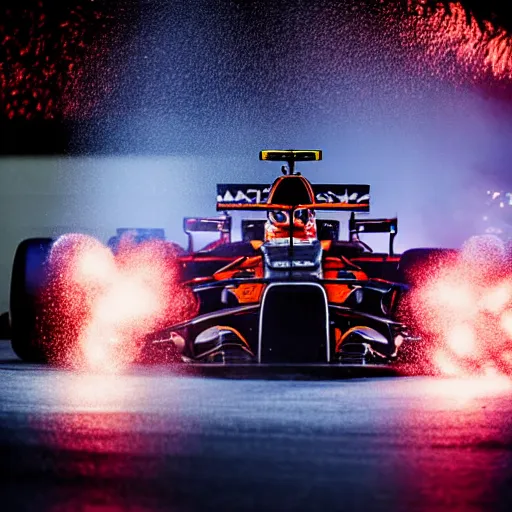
(506, 322)
(461, 340)
(456, 44)
(56, 59)
(496, 299)
(464, 311)
(461, 392)
(445, 364)
(100, 306)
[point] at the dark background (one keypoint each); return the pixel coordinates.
(158, 77)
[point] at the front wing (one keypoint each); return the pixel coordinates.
(294, 323)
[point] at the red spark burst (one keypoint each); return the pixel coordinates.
(99, 306)
(456, 45)
(54, 58)
(464, 310)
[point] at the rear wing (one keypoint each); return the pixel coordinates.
(327, 197)
(358, 226)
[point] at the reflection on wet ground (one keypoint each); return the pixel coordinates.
(150, 440)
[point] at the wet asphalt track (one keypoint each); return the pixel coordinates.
(150, 440)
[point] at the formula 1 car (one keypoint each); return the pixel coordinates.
(290, 292)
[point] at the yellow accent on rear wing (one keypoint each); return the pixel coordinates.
(294, 155)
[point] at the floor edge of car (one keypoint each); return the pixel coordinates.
(287, 371)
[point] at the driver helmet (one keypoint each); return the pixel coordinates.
(278, 224)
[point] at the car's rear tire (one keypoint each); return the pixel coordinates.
(29, 275)
(414, 260)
